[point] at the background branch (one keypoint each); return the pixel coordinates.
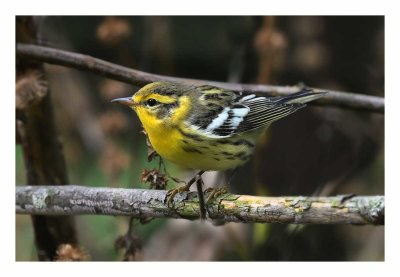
(139, 78)
(78, 200)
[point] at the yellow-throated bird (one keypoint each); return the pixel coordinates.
(206, 127)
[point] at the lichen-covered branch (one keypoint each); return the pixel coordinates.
(79, 200)
(140, 78)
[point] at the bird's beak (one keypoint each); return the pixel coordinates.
(127, 101)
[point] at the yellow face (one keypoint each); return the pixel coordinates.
(148, 104)
(154, 108)
(162, 110)
(158, 106)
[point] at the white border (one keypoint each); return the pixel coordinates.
(249, 7)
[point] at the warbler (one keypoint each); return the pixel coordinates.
(206, 127)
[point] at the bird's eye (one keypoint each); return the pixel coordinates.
(151, 102)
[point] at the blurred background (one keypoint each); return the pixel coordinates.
(318, 151)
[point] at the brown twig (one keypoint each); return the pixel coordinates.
(79, 200)
(84, 62)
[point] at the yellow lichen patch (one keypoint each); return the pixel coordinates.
(228, 205)
(254, 200)
(287, 203)
(318, 205)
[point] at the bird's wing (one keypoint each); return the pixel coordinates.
(229, 113)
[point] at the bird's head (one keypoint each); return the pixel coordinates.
(163, 101)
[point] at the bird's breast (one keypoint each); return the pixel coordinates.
(195, 152)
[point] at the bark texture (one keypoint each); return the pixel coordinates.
(79, 200)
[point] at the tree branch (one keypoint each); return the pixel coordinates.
(139, 78)
(78, 200)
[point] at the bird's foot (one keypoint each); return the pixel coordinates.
(214, 193)
(172, 192)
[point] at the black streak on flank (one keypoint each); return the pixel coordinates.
(236, 143)
(204, 147)
(224, 141)
(191, 149)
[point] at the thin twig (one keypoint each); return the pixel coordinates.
(79, 200)
(79, 61)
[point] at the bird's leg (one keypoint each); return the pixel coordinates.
(202, 204)
(171, 193)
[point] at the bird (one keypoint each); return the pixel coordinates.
(208, 128)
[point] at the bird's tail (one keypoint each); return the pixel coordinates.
(304, 96)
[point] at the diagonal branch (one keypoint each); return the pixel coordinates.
(140, 78)
(79, 200)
